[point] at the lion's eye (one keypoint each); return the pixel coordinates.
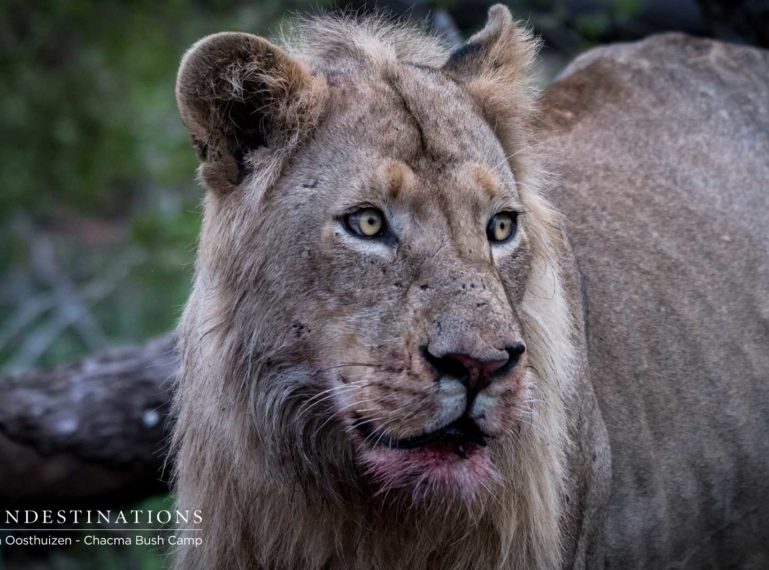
(366, 223)
(502, 227)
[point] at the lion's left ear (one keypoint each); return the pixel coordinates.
(495, 66)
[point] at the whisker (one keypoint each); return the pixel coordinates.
(327, 394)
(350, 364)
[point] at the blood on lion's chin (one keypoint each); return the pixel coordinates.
(432, 475)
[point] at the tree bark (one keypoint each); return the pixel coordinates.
(93, 431)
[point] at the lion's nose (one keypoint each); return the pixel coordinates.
(475, 371)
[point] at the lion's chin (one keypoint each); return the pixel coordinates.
(434, 472)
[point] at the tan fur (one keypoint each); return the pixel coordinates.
(287, 318)
(661, 148)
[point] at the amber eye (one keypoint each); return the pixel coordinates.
(366, 223)
(502, 227)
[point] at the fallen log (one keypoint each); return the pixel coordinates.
(93, 430)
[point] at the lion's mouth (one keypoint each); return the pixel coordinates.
(460, 436)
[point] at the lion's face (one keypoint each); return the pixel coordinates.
(366, 283)
(408, 247)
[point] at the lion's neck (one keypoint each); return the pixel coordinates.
(280, 532)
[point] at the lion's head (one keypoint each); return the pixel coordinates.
(377, 311)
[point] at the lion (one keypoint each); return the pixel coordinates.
(384, 356)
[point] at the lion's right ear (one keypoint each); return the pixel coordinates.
(247, 104)
(495, 67)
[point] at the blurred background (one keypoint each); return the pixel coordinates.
(99, 208)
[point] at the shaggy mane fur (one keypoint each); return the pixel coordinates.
(373, 39)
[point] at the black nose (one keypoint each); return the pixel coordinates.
(475, 371)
